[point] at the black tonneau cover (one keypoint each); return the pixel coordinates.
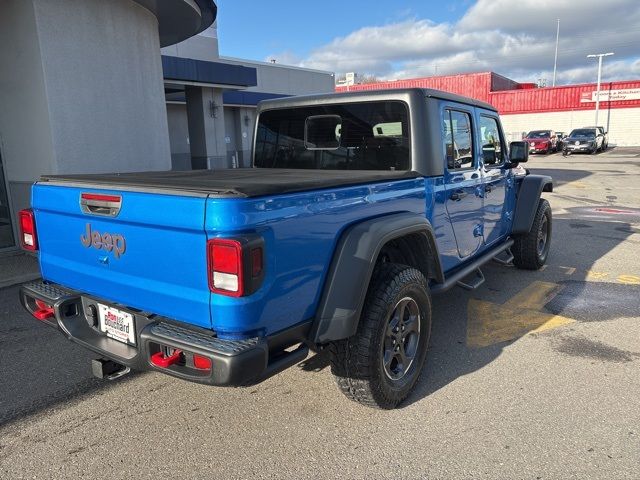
(244, 182)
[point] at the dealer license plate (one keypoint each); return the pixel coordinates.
(117, 324)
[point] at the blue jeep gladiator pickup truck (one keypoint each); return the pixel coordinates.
(358, 208)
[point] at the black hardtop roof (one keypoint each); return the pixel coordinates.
(369, 95)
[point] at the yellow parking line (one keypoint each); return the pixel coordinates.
(629, 279)
(490, 323)
(592, 275)
(535, 296)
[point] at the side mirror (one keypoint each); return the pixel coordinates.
(518, 153)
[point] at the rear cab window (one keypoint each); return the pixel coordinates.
(347, 136)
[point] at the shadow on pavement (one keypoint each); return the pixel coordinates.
(39, 368)
(450, 358)
(578, 242)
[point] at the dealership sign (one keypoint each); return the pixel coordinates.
(611, 95)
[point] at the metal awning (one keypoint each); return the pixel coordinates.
(181, 19)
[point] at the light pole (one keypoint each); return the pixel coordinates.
(599, 56)
(555, 60)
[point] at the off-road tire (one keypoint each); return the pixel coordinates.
(357, 362)
(526, 250)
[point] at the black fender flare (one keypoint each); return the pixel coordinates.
(531, 187)
(354, 259)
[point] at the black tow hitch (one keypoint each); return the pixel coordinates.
(108, 369)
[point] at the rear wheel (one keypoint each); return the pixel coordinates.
(530, 250)
(380, 365)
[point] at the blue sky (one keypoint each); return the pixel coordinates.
(258, 29)
(408, 39)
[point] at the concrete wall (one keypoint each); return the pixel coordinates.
(623, 124)
(240, 135)
(104, 85)
(179, 136)
(240, 123)
(287, 80)
(81, 90)
(26, 142)
(206, 127)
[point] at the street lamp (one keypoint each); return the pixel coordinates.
(599, 56)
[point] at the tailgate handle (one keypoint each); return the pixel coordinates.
(100, 204)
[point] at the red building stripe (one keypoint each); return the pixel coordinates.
(511, 97)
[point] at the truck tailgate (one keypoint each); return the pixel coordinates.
(151, 255)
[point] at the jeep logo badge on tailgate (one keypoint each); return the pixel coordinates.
(106, 241)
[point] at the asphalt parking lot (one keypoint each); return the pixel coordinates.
(535, 375)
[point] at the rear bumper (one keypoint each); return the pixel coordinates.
(539, 148)
(584, 147)
(233, 362)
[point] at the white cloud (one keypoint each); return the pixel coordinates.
(287, 57)
(516, 39)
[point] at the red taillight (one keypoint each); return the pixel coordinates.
(235, 266)
(225, 267)
(28, 238)
(202, 362)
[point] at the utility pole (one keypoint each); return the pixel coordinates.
(599, 57)
(555, 61)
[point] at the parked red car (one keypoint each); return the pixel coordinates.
(542, 141)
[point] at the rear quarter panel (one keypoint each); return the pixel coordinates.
(301, 232)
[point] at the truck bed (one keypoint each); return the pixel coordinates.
(241, 182)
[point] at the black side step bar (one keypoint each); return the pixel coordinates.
(456, 277)
(508, 258)
(474, 282)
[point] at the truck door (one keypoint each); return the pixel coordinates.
(463, 180)
(495, 177)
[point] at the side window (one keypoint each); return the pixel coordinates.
(492, 144)
(458, 141)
